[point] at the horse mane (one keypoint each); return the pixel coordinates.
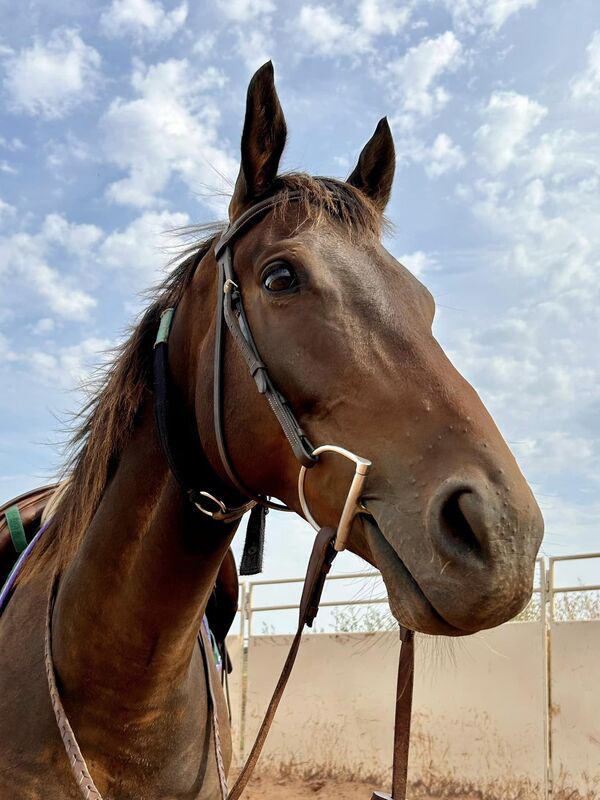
(105, 423)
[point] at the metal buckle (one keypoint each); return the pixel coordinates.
(223, 514)
(208, 513)
(352, 506)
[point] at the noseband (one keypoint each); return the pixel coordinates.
(231, 313)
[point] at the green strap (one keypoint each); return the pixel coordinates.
(16, 529)
(165, 326)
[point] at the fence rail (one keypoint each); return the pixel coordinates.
(580, 587)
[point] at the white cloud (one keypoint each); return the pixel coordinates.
(414, 77)
(378, 17)
(6, 210)
(143, 19)
(43, 326)
(139, 249)
(171, 128)
(549, 232)
(510, 118)
(52, 77)
(62, 295)
(64, 156)
(244, 10)
(534, 360)
(204, 43)
(25, 266)
(6, 351)
(253, 46)
(70, 366)
(418, 262)
(472, 14)
(587, 85)
(532, 349)
(70, 236)
(14, 144)
(329, 34)
(441, 157)
(520, 383)
(7, 168)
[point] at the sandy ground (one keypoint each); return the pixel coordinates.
(266, 788)
(269, 788)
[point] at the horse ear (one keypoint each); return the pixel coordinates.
(374, 173)
(263, 140)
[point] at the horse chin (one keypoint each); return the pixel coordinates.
(408, 602)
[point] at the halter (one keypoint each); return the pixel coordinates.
(231, 313)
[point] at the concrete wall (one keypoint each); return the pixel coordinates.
(235, 681)
(575, 711)
(479, 709)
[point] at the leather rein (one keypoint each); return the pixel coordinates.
(328, 542)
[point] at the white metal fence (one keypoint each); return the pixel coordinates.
(512, 712)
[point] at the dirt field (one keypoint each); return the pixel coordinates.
(268, 788)
(276, 788)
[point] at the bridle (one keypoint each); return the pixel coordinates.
(328, 542)
(231, 314)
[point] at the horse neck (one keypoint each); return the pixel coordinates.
(130, 604)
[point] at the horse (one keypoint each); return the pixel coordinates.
(122, 575)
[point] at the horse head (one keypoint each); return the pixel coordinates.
(346, 332)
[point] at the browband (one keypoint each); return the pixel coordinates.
(250, 215)
(230, 308)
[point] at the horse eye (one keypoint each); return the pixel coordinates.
(279, 279)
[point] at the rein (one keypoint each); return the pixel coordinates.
(327, 544)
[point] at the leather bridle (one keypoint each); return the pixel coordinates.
(231, 313)
(328, 542)
(231, 308)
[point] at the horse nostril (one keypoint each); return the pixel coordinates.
(460, 524)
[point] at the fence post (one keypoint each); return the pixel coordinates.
(246, 612)
(544, 594)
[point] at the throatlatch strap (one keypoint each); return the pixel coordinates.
(163, 410)
(254, 545)
(15, 528)
(161, 397)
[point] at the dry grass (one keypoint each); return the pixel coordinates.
(569, 607)
(297, 782)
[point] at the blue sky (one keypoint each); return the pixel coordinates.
(120, 120)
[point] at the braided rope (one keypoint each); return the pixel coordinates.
(202, 636)
(79, 768)
(219, 754)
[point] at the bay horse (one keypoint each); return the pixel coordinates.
(130, 562)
